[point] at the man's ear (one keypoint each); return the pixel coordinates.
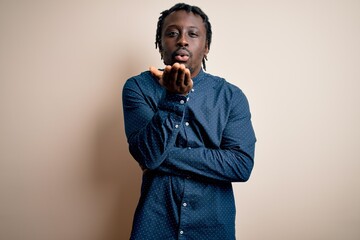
(206, 52)
(206, 48)
(161, 52)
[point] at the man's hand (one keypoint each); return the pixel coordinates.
(175, 78)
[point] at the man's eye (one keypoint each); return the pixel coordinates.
(193, 34)
(172, 34)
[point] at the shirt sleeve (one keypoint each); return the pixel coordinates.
(233, 161)
(151, 130)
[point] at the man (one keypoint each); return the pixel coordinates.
(190, 132)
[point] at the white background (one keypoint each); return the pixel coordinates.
(65, 170)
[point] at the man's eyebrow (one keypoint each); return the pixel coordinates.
(171, 26)
(174, 25)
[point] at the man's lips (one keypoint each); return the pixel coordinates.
(181, 58)
(181, 55)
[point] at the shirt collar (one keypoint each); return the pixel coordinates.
(199, 76)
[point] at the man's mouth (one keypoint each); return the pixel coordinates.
(181, 58)
(182, 55)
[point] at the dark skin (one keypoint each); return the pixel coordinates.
(183, 47)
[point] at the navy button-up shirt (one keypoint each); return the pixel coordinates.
(191, 148)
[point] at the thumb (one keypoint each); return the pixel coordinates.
(156, 72)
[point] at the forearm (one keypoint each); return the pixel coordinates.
(233, 165)
(151, 129)
(150, 144)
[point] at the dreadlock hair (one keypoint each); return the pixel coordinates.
(187, 8)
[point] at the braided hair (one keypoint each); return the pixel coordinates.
(187, 8)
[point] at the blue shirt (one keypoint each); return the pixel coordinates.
(191, 148)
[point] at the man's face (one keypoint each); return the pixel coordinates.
(183, 40)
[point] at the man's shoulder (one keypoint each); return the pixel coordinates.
(143, 76)
(143, 79)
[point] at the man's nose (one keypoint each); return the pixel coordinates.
(182, 41)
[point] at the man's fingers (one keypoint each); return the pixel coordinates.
(181, 75)
(187, 77)
(164, 81)
(173, 75)
(156, 72)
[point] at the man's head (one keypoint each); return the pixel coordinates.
(184, 35)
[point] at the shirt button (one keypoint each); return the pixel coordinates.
(188, 99)
(176, 126)
(181, 232)
(182, 101)
(184, 204)
(189, 147)
(187, 123)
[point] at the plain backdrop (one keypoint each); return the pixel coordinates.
(65, 170)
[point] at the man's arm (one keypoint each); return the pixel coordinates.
(233, 161)
(150, 131)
